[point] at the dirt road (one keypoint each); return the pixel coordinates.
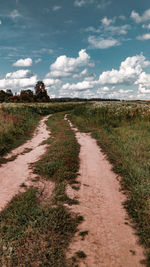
(14, 173)
(109, 242)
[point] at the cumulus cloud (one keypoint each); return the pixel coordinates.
(101, 43)
(18, 80)
(19, 74)
(0, 22)
(49, 82)
(139, 19)
(129, 71)
(66, 67)
(27, 62)
(84, 85)
(144, 82)
(144, 37)
(81, 74)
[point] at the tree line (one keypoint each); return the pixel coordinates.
(39, 95)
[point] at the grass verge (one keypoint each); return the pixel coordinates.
(123, 133)
(32, 234)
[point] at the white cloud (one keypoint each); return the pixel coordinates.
(106, 22)
(144, 82)
(19, 74)
(123, 91)
(56, 8)
(18, 80)
(144, 17)
(44, 50)
(65, 66)
(15, 14)
(84, 85)
(100, 43)
(80, 74)
(144, 37)
(27, 62)
(128, 73)
(143, 90)
(105, 89)
(146, 26)
(79, 3)
(0, 22)
(38, 60)
(109, 29)
(49, 82)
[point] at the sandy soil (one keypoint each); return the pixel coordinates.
(110, 242)
(14, 173)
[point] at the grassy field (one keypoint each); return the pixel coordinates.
(122, 131)
(32, 234)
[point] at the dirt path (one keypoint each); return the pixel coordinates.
(110, 242)
(14, 173)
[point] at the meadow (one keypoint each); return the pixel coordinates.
(122, 130)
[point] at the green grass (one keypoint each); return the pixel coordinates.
(123, 133)
(32, 234)
(16, 125)
(17, 122)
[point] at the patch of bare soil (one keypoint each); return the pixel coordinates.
(110, 242)
(18, 172)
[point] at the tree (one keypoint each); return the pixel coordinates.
(26, 96)
(41, 92)
(9, 92)
(2, 96)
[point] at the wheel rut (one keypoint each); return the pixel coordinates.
(14, 173)
(111, 241)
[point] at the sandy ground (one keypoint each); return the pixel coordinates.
(14, 173)
(110, 242)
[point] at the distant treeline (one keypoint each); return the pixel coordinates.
(68, 99)
(40, 95)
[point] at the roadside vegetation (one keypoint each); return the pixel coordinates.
(36, 234)
(122, 131)
(17, 122)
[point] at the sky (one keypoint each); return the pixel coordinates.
(78, 48)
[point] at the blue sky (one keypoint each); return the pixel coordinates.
(79, 48)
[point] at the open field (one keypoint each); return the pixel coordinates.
(38, 225)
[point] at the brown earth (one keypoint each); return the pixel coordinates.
(110, 241)
(14, 173)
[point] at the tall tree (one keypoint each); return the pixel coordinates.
(41, 92)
